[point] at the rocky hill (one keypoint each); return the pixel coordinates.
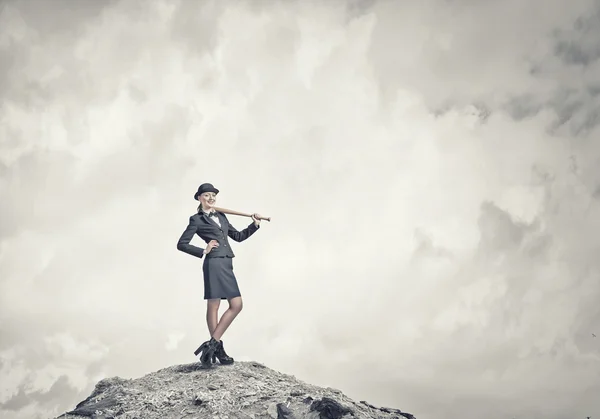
(240, 391)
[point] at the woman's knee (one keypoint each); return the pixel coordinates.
(236, 304)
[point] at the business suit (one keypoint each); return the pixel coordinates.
(219, 280)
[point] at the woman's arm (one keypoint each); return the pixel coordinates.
(184, 241)
(240, 236)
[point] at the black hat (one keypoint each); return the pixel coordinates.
(205, 187)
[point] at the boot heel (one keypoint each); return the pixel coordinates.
(208, 353)
(200, 348)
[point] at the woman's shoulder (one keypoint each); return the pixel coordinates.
(222, 214)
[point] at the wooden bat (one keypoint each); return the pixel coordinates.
(243, 214)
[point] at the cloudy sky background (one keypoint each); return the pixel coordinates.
(431, 169)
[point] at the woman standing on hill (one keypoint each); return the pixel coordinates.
(220, 282)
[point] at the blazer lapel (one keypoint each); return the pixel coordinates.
(223, 223)
(207, 219)
(213, 222)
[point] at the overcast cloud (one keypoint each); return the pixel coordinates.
(431, 170)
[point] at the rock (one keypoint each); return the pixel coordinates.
(329, 408)
(389, 410)
(283, 412)
(272, 410)
(257, 365)
(188, 368)
(199, 400)
(90, 407)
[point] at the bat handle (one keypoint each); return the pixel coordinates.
(265, 218)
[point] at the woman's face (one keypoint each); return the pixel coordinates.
(208, 199)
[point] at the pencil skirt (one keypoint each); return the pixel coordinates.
(219, 280)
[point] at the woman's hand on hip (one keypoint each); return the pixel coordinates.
(210, 245)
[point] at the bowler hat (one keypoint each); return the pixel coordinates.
(205, 187)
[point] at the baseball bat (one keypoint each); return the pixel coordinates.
(243, 214)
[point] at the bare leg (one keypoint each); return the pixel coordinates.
(235, 306)
(212, 317)
(212, 314)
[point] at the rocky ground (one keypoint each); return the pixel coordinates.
(240, 391)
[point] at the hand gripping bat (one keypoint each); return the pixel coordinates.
(243, 214)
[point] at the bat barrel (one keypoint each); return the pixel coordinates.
(243, 214)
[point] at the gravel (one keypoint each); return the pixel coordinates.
(244, 390)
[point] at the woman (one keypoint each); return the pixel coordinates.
(219, 280)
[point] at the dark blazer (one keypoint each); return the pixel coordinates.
(208, 230)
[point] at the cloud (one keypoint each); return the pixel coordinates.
(430, 170)
(23, 398)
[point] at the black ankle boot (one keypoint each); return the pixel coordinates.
(222, 355)
(208, 349)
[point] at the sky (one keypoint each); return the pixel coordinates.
(431, 170)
